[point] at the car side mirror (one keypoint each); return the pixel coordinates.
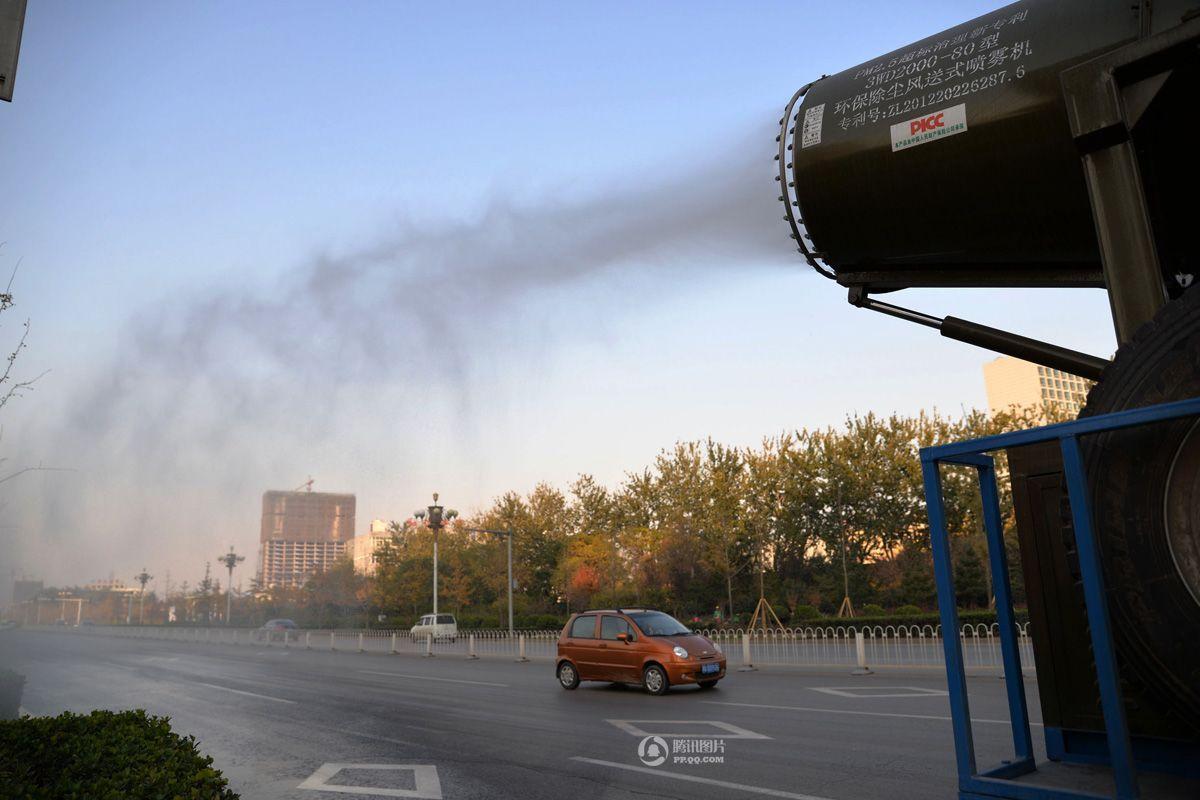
(623, 637)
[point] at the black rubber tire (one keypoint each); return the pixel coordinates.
(707, 684)
(568, 675)
(1156, 618)
(655, 681)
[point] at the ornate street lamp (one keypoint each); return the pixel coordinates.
(230, 560)
(438, 517)
(142, 578)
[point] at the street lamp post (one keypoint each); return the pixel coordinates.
(438, 517)
(142, 578)
(509, 536)
(230, 560)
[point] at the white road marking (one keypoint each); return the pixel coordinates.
(425, 778)
(725, 730)
(431, 678)
(864, 691)
(248, 694)
(679, 776)
(372, 736)
(860, 713)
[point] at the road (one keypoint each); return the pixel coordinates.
(492, 728)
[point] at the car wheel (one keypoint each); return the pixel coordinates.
(568, 676)
(654, 678)
(707, 684)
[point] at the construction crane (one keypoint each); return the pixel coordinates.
(306, 486)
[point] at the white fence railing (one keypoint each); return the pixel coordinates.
(884, 645)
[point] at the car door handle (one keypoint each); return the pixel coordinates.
(602, 644)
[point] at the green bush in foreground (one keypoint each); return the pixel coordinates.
(104, 755)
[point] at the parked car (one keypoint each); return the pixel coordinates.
(279, 625)
(440, 626)
(276, 630)
(638, 646)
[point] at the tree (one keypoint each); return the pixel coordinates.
(583, 584)
(12, 388)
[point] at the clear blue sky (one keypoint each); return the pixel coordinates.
(158, 155)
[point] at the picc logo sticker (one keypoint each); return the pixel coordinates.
(929, 127)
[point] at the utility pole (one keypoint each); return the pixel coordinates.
(612, 568)
(231, 560)
(509, 536)
(142, 578)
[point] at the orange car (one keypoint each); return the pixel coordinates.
(648, 648)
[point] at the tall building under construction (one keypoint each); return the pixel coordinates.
(303, 533)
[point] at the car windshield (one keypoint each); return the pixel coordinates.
(656, 623)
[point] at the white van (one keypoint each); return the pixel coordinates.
(441, 626)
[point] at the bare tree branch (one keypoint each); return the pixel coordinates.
(6, 299)
(38, 468)
(16, 389)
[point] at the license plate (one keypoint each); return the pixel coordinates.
(709, 669)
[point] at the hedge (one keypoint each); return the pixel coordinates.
(104, 755)
(11, 686)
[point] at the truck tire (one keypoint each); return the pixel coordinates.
(1145, 500)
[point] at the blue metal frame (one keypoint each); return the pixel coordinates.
(996, 782)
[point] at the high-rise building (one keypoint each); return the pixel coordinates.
(1013, 382)
(303, 533)
(368, 544)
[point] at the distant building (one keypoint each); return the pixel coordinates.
(367, 545)
(303, 533)
(1013, 382)
(111, 585)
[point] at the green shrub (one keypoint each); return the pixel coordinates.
(872, 610)
(104, 755)
(11, 685)
(540, 622)
(908, 611)
(805, 612)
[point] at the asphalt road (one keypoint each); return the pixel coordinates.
(491, 728)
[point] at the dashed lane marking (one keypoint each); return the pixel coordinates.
(431, 678)
(866, 692)
(248, 694)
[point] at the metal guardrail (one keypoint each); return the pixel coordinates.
(830, 646)
(885, 645)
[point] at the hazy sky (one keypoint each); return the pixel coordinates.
(409, 247)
